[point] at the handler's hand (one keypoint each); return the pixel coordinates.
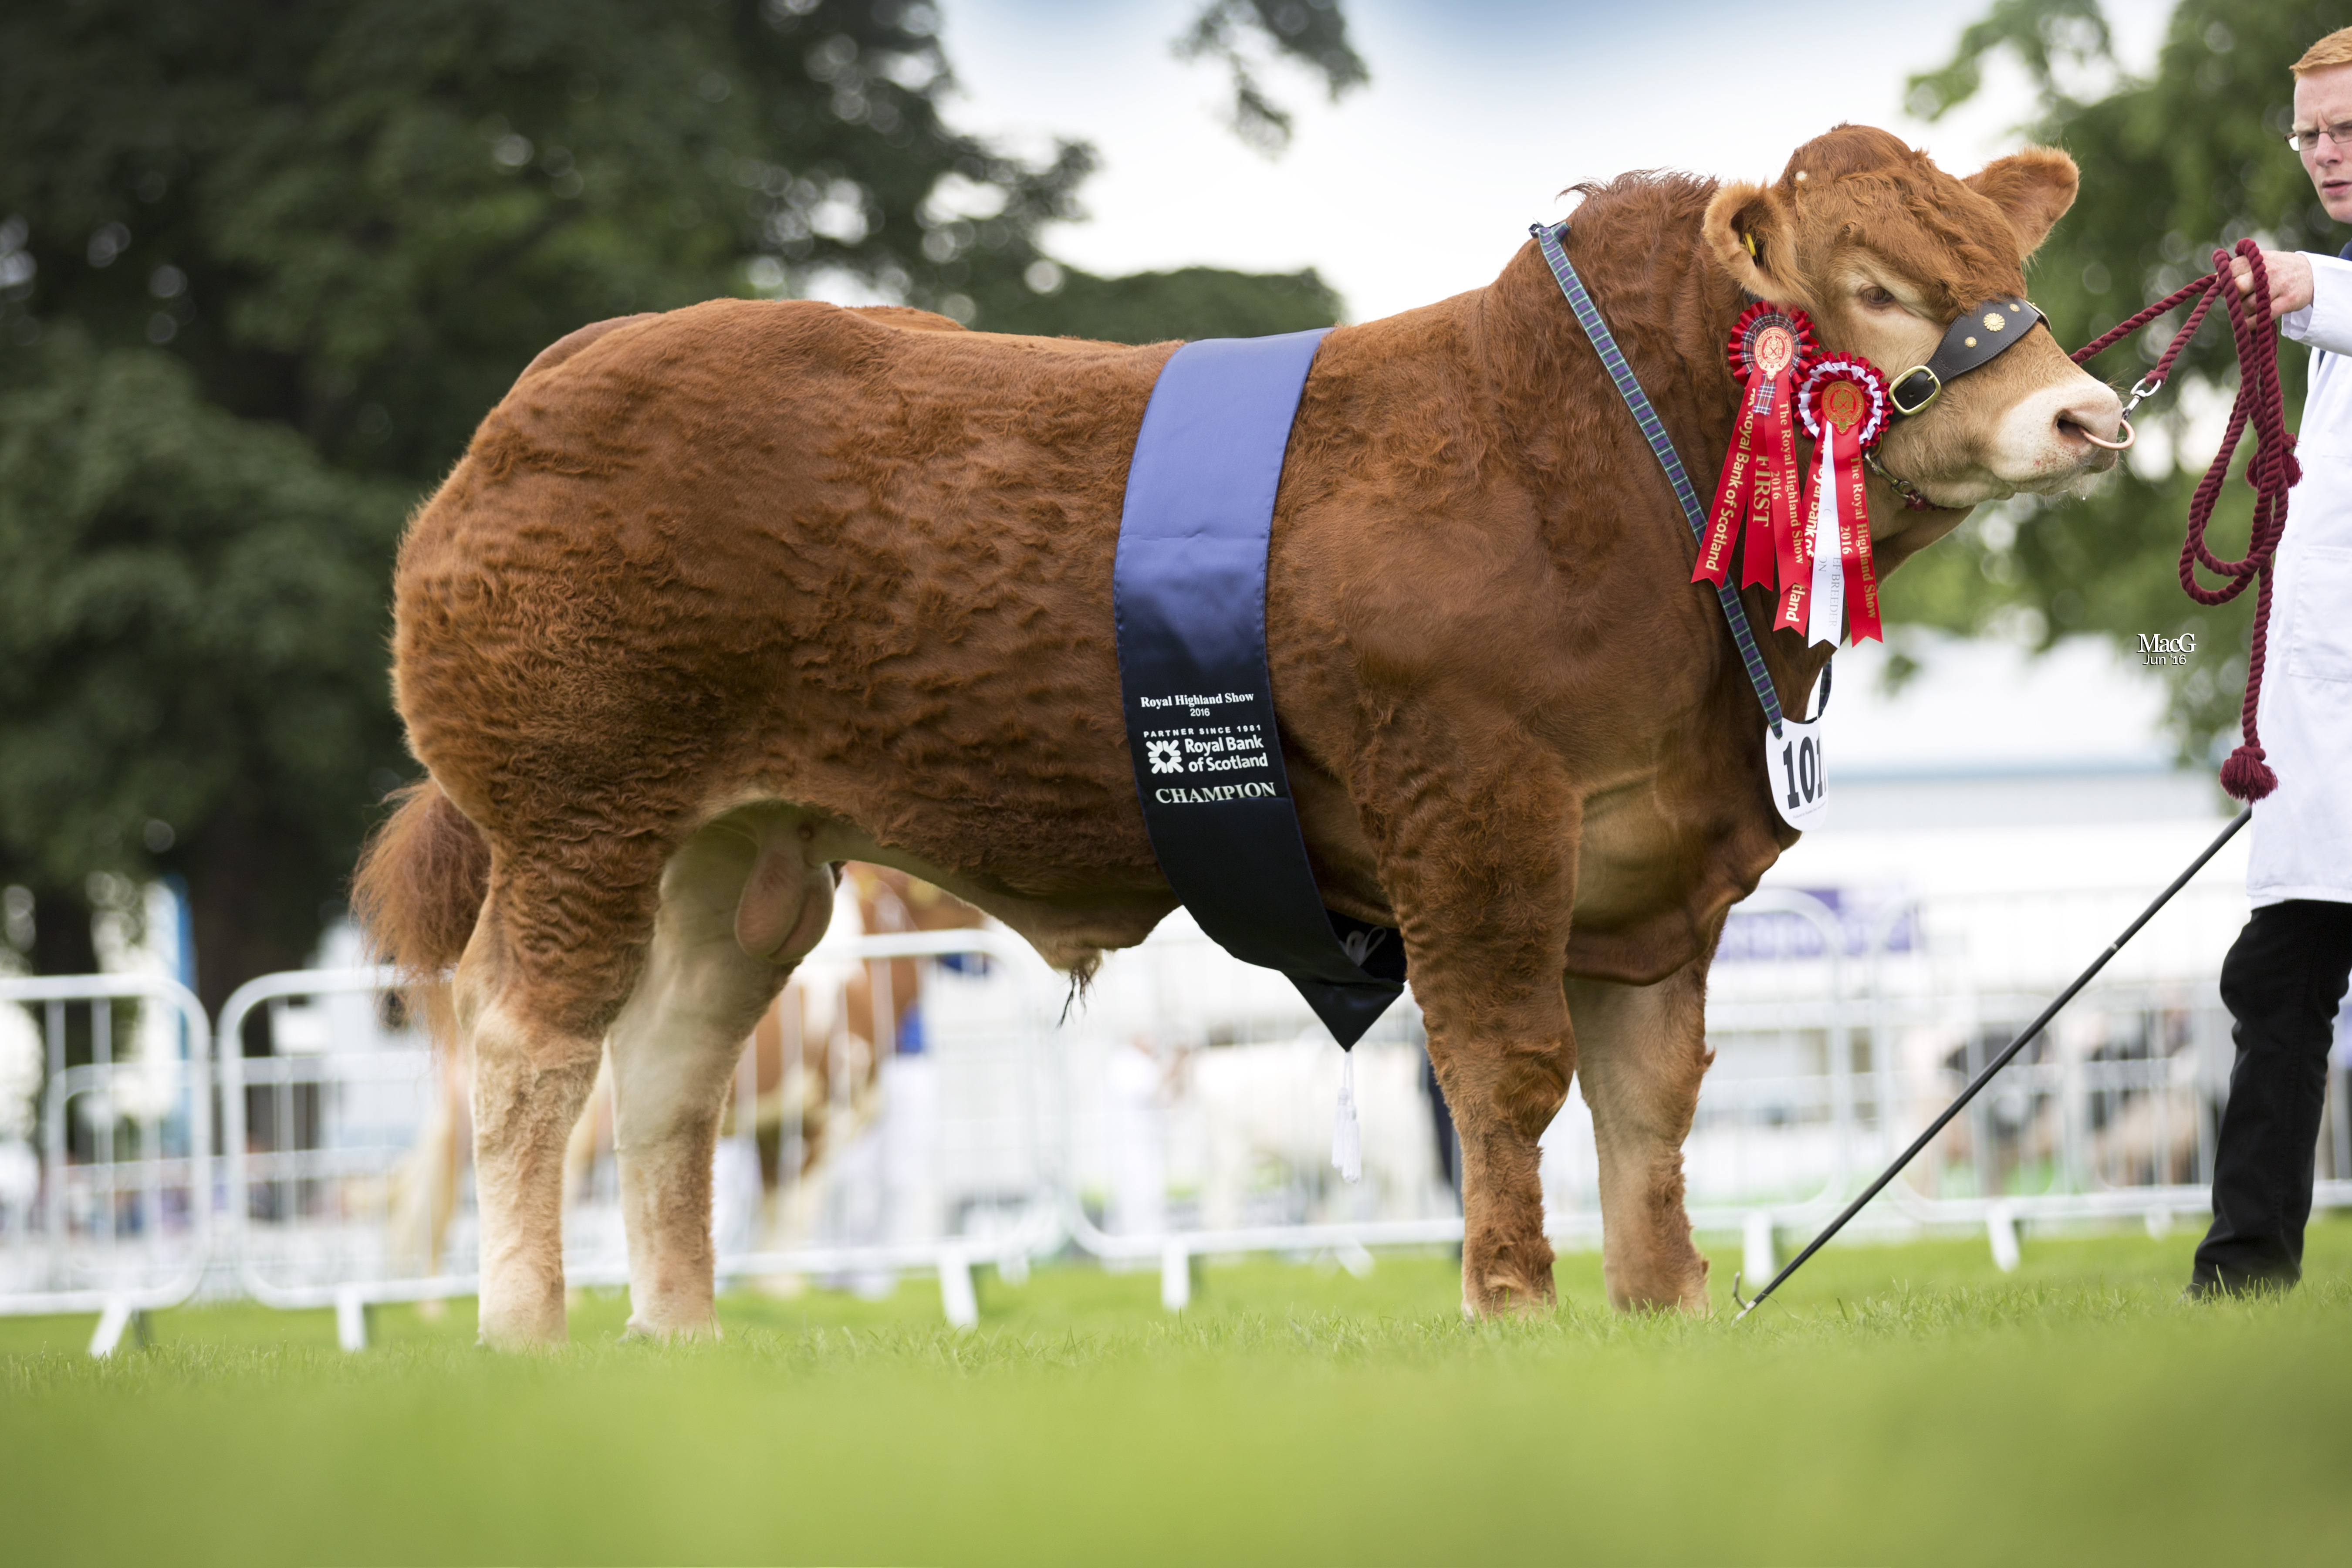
(2290, 279)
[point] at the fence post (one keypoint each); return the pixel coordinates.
(121, 1316)
(1757, 1259)
(1175, 1276)
(351, 1318)
(2000, 1229)
(957, 1296)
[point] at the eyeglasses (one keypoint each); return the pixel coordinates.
(2308, 140)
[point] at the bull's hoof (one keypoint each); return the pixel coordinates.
(528, 1319)
(510, 1339)
(1680, 1288)
(1502, 1296)
(640, 1331)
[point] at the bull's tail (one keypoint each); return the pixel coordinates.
(421, 883)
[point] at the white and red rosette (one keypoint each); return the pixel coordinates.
(1865, 406)
(1841, 398)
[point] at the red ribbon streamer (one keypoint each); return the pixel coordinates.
(1769, 348)
(1796, 562)
(1853, 537)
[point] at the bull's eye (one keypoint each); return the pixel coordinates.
(1876, 298)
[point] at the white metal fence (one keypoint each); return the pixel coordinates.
(112, 1212)
(927, 1101)
(344, 1142)
(347, 1146)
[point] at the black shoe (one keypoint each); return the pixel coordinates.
(2219, 1289)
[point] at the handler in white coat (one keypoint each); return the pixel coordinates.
(2288, 971)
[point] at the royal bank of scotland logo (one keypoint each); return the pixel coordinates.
(1166, 756)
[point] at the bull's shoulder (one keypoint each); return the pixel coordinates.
(571, 343)
(907, 318)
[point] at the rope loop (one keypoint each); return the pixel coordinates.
(2271, 471)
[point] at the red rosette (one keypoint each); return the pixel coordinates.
(1750, 334)
(1829, 370)
(1761, 480)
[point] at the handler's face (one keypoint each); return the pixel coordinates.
(2323, 99)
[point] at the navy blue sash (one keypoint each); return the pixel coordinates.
(1189, 597)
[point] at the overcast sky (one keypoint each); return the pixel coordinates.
(1421, 185)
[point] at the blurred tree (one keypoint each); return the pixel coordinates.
(264, 266)
(1152, 307)
(2189, 159)
(361, 220)
(191, 653)
(1313, 33)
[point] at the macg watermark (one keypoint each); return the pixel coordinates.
(2154, 649)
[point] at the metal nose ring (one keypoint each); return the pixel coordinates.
(2129, 437)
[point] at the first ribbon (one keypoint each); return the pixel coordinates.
(1769, 348)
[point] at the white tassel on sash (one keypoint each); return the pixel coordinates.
(1827, 623)
(1347, 1137)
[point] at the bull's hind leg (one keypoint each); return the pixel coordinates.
(537, 978)
(1641, 1052)
(740, 904)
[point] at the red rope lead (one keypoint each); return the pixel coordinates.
(2271, 471)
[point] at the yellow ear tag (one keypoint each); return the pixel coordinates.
(1751, 246)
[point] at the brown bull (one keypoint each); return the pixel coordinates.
(719, 599)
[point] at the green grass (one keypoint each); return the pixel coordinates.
(1895, 1405)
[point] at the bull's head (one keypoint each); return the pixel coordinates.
(1885, 251)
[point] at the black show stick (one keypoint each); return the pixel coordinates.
(1991, 1068)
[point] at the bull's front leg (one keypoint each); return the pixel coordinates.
(1642, 1052)
(1504, 1085)
(1484, 891)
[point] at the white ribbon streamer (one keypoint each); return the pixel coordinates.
(1347, 1137)
(1827, 621)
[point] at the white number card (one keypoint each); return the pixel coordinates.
(1794, 773)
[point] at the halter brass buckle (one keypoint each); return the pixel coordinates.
(1894, 390)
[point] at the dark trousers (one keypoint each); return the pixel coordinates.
(2281, 982)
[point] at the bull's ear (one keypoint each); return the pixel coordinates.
(1748, 231)
(2034, 188)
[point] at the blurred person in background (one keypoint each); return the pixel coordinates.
(2288, 971)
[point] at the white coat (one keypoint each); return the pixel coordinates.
(2303, 830)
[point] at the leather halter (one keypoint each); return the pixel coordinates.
(1979, 335)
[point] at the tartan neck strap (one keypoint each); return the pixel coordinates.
(1588, 316)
